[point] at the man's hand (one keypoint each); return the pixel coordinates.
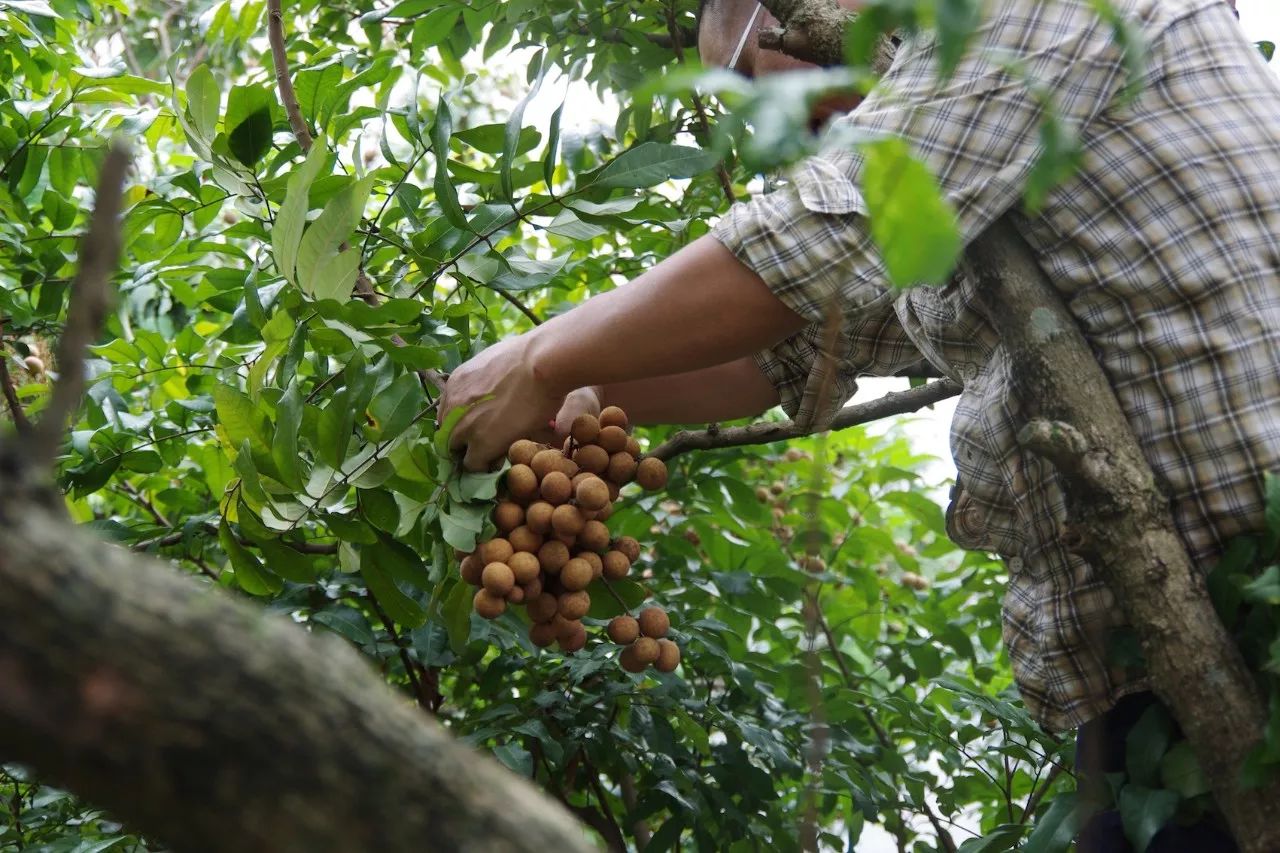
(508, 401)
(588, 400)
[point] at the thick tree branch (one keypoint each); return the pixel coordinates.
(893, 403)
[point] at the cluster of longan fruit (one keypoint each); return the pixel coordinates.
(553, 542)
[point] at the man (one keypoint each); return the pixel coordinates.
(1163, 244)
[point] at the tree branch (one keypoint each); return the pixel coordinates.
(893, 403)
(284, 82)
(20, 422)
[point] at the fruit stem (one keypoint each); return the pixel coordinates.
(618, 598)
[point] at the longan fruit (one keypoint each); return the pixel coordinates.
(522, 451)
(556, 488)
(623, 630)
(544, 461)
(542, 634)
(516, 595)
(471, 569)
(567, 520)
(565, 466)
(585, 428)
(522, 483)
(543, 608)
(612, 416)
(629, 661)
(592, 458)
(576, 574)
(498, 578)
(488, 605)
(574, 605)
(553, 555)
(569, 540)
(533, 588)
(654, 622)
(564, 627)
(668, 656)
(497, 550)
(646, 650)
(613, 439)
(578, 478)
(622, 468)
(629, 546)
(615, 565)
(793, 454)
(614, 490)
(651, 474)
(508, 515)
(814, 565)
(633, 446)
(524, 566)
(592, 493)
(762, 494)
(524, 539)
(777, 487)
(594, 536)
(575, 640)
(538, 517)
(604, 512)
(597, 565)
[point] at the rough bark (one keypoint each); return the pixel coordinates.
(1118, 519)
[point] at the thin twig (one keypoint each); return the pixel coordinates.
(20, 421)
(1033, 801)
(425, 700)
(677, 39)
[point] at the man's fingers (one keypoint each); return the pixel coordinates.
(479, 457)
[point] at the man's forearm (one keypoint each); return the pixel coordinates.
(724, 392)
(697, 309)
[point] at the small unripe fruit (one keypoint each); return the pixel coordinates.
(522, 451)
(575, 640)
(594, 536)
(646, 650)
(495, 551)
(793, 454)
(576, 574)
(556, 488)
(597, 565)
(630, 661)
(777, 487)
(585, 428)
(471, 569)
(522, 483)
(544, 461)
(612, 416)
(524, 539)
(524, 566)
(633, 446)
(543, 608)
(613, 439)
(567, 520)
(629, 546)
(498, 578)
(668, 656)
(538, 517)
(508, 515)
(592, 493)
(488, 605)
(623, 630)
(622, 468)
(553, 555)
(651, 474)
(542, 634)
(516, 595)
(615, 565)
(762, 494)
(574, 605)
(592, 458)
(911, 580)
(654, 622)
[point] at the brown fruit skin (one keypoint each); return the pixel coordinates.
(552, 556)
(668, 656)
(622, 468)
(592, 458)
(533, 588)
(629, 661)
(651, 474)
(592, 493)
(543, 608)
(495, 551)
(762, 494)
(567, 520)
(574, 605)
(615, 565)
(633, 446)
(516, 596)
(564, 627)
(524, 539)
(654, 622)
(522, 451)
(498, 578)
(613, 416)
(565, 466)
(575, 640)
(542, 634)
(777, 487)
(522, 483)
(623, 630)
(544, 462)
(585, 428)
(613, 439)
(594, 536)
(814, 565)
(508, 515)
(576, 574)
(614, 490)
(629, 546)
(489, 605)
(471, 569)
(597, 565)
(525, 567)
(578, 479)
(538, 517)
(603, 514)
(646, 650)
(556, 488)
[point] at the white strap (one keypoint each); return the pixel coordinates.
(742, 42)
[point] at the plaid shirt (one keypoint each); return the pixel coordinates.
(1165, 245)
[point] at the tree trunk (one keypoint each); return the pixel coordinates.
(209, 725)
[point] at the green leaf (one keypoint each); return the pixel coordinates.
(30, 7)
(250, 574)
(395, 407)
(1267, 49)
(241, 418)
(652, 163)
(1054, 832)
(1180, 771)
(348, 622)
(248, 123)
(446, 194)
(322, 271)
(457, 615)
(400, 607)
(286, 234)
(957, 20)
(1003, 837)
(1143, 811)
(399, 562)
(511, 137)
(203, 101)
(441, 439)
(284, 446)
(553, 146)
(911, 223)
